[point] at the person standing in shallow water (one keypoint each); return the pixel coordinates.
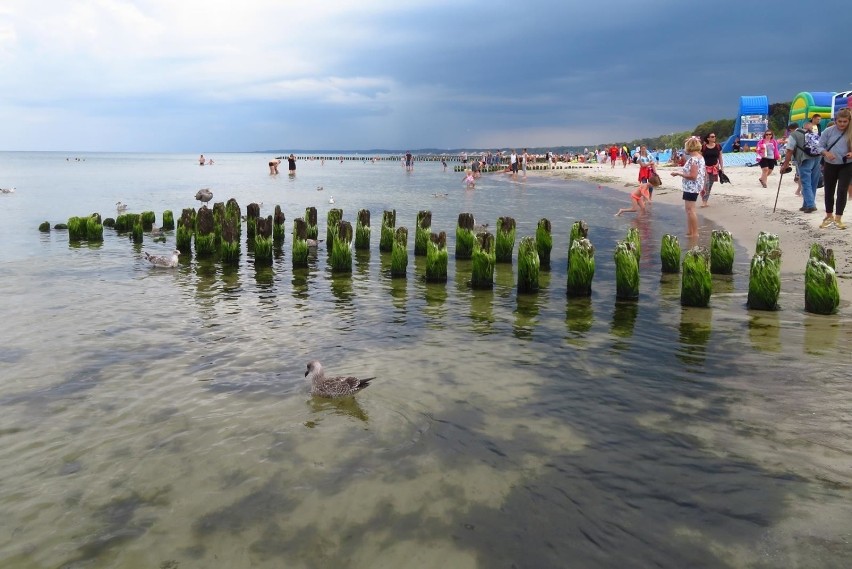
(291, 165)
(693, 173)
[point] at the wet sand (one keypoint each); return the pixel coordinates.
(744, 208)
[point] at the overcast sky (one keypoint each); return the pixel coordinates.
(242, 75)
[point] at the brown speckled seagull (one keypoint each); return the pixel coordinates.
(341, 386)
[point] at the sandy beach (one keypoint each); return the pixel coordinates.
(744, 208)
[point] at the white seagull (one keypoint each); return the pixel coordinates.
(313, 243)
(162, 260)
(331, 199)
(7, 190)
(120, 207)
(341, 386)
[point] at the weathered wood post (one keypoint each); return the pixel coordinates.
(528, 266)
(311, 223)
(482, 262)
(465, 237)
(399, 254)
(94, 228)
(437, 258)
(696, 281)
(362, 230)
(581, 268)
(505, 239)
(229, 243)
(300, 243)
(670, 254)
(185, 230)
(252, 213)
(218, 218)
(544, 242)
(205, 238)
(234, 213)
(721, 252)
(626, 271)
(422, 231)
(388, 226)
(263, 241)
(341, 249)
(278, 229)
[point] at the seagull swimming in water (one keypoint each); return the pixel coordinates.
(319, 188)
(120, 207)
(313, 243)
(162, 260)
(341, 386)
(204, 195)
(331, 199)
(7, 190)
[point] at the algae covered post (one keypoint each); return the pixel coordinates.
(229, 243)
(278, 229)
(311, 223)
(626, 271)
(528, 266)
(205, 238)
(168, 220)
(721, 252)
(670, 254)
(341, 248)
(362, 230)
(399, 255)
(300, 243)
(422, 231)
(482, 262)
(263, 242)
(581, 268)
(764, 281)
(437, 258)
(633, 237)
(505, 239)
(579, 230)
(465, 237)
(252, 213)
(822, 295)
(544, 242)
(185, 230)
(333, 217)
(388, 226)
(696, 282)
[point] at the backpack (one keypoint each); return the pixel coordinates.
(811, 143)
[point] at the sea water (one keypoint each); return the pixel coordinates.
(160, 418)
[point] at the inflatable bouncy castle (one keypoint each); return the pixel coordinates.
(751, 122)
(806, 104)
(841, 101)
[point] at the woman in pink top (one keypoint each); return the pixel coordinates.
(767, 152)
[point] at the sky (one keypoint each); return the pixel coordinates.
(249, 75)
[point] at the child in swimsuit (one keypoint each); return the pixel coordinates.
(638, 198)
(469, 180)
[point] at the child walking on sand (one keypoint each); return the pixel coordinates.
(638, 198)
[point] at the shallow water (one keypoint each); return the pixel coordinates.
(160, 418)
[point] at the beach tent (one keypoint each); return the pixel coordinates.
(751, 122)
(806, 104)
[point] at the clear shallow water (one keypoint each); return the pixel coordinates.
(160, 418)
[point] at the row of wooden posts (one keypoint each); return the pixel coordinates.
(217, 231)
